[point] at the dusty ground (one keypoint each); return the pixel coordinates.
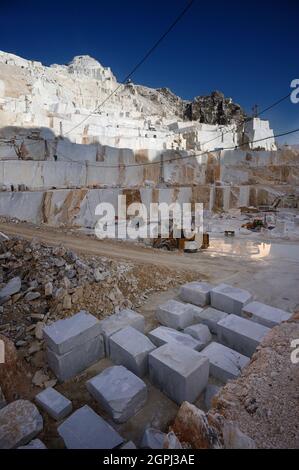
(270, 271)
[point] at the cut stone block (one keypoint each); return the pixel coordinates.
(197, 293)
(210, 392)
(54, 403)
(162, 335)
(240, 334)
(175, 314)
(265, 314)
(180, 372)
(120, 392)
(118, 321)
(201, 333)
(65, 335)
(209, 317)
(229, 299)
(130, 348)
(20, 422)
(85, 429)
(225, 363)
(35, 444)
(73, 362)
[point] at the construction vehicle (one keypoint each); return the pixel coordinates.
(187, 244)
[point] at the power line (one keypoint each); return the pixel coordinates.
(138, 65)
(186, 156)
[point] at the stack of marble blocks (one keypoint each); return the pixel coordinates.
(209, 331)
(73, 344)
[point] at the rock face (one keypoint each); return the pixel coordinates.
(20, 422)
(214, 109)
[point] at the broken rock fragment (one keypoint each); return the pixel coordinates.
(20, 422)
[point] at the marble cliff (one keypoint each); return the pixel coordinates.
(68, 140)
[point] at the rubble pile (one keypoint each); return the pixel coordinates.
(40, 284)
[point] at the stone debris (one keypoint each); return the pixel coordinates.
(73, 344)
(85, 429)
(210, 392)
(116, 322)
(128, 446)
(180, 372)
(240, 334)
(40, 378)
(235, 439)
(20, 421)
(265, 314)
(197, 428)
(120, 392)
(201, 333)
(225, 363)
(197, 293)
(208, 430)
(12, 287)
(163, 335)
(229, 299)
(209, 317)
(130, 348)
(175, 314)
(54, 403)
(35, 444)
(155, 439)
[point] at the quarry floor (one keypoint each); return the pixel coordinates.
(270, 270)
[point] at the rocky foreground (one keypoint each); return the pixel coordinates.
(40, 284)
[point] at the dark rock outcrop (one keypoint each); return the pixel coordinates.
(214, 109)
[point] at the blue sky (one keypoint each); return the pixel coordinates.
(249, 51)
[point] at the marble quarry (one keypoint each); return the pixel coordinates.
(62, 151)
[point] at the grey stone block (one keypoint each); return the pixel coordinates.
(75, 361)
(65, 335)
(240, 334)
(118, 321)
(265, 314)
(209, 317)
(210, 392)
(225, 363)
(201, 333)
(35, 444)
(229, 299)
(197, 293)
(130, 348)
(85, 429)
(54, 403)
(120, 392)
(180, 372)
(162, 335)
(20, 422)
(175, 314)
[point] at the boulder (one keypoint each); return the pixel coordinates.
(20, 422)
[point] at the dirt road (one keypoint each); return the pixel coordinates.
(111, 249)
(271, 279)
